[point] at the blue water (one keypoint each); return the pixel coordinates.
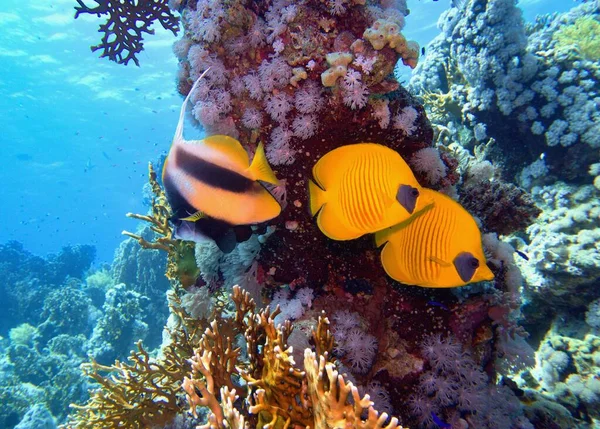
(77, 131)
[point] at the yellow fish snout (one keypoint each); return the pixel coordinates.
(471, 269)
(483, 273)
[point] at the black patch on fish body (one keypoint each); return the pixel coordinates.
(179, 205)
(242, 233)
(222, 233)
(466, 264)
(211, 174)
(407, 197)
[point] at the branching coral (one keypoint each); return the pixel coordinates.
(181, 263)
(125, 25)
(207, 368)
(136, 395)
(330, 396)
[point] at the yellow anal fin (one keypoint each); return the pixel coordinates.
(330, 225)
(260, 168)
(193, 218)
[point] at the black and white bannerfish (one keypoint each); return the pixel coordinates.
(213, 189)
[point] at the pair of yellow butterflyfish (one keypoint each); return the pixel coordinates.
(430, 240)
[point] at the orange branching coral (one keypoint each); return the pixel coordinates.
(208, 369)
(159, 219)
(230, 413)
(274, 379)
(278, 392)
(136, 395)
(181, 263)
(330, 396)
(323, 337)
(202, 392)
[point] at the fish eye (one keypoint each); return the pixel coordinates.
(474, 263)
(414, 192)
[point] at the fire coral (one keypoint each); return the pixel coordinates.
(126, 23)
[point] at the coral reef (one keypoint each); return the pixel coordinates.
(566, 370)
(207, 367)
(563, 264)
(303, 79)
(578, 39)
(502, 207)
(180, 254)
(126, 24)
(28, 279)
(454, 389)
(55, 320)
(531, 83)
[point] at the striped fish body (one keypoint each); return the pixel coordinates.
(356, 190)
(439, 247)
(213, 176)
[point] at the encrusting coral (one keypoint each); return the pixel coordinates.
(207, 368)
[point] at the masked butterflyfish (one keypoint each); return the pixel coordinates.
(438, 247)
(213, 178)
(362, 188)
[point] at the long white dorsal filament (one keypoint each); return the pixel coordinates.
(179, 131)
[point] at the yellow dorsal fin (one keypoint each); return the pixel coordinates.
(260, 168)
(231, 147)
(193, 218)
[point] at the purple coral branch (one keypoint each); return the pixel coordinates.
(127, 21)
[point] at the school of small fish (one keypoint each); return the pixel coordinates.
(428, 239)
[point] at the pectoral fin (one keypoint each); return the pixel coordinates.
(193, 218)
(439, 261)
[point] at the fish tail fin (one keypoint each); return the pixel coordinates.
(317, 197)
(260, 168)
(179, 130)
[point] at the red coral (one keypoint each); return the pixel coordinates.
(126, 23)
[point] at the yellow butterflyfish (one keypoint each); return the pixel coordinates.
(363, 188)
(439, 247)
